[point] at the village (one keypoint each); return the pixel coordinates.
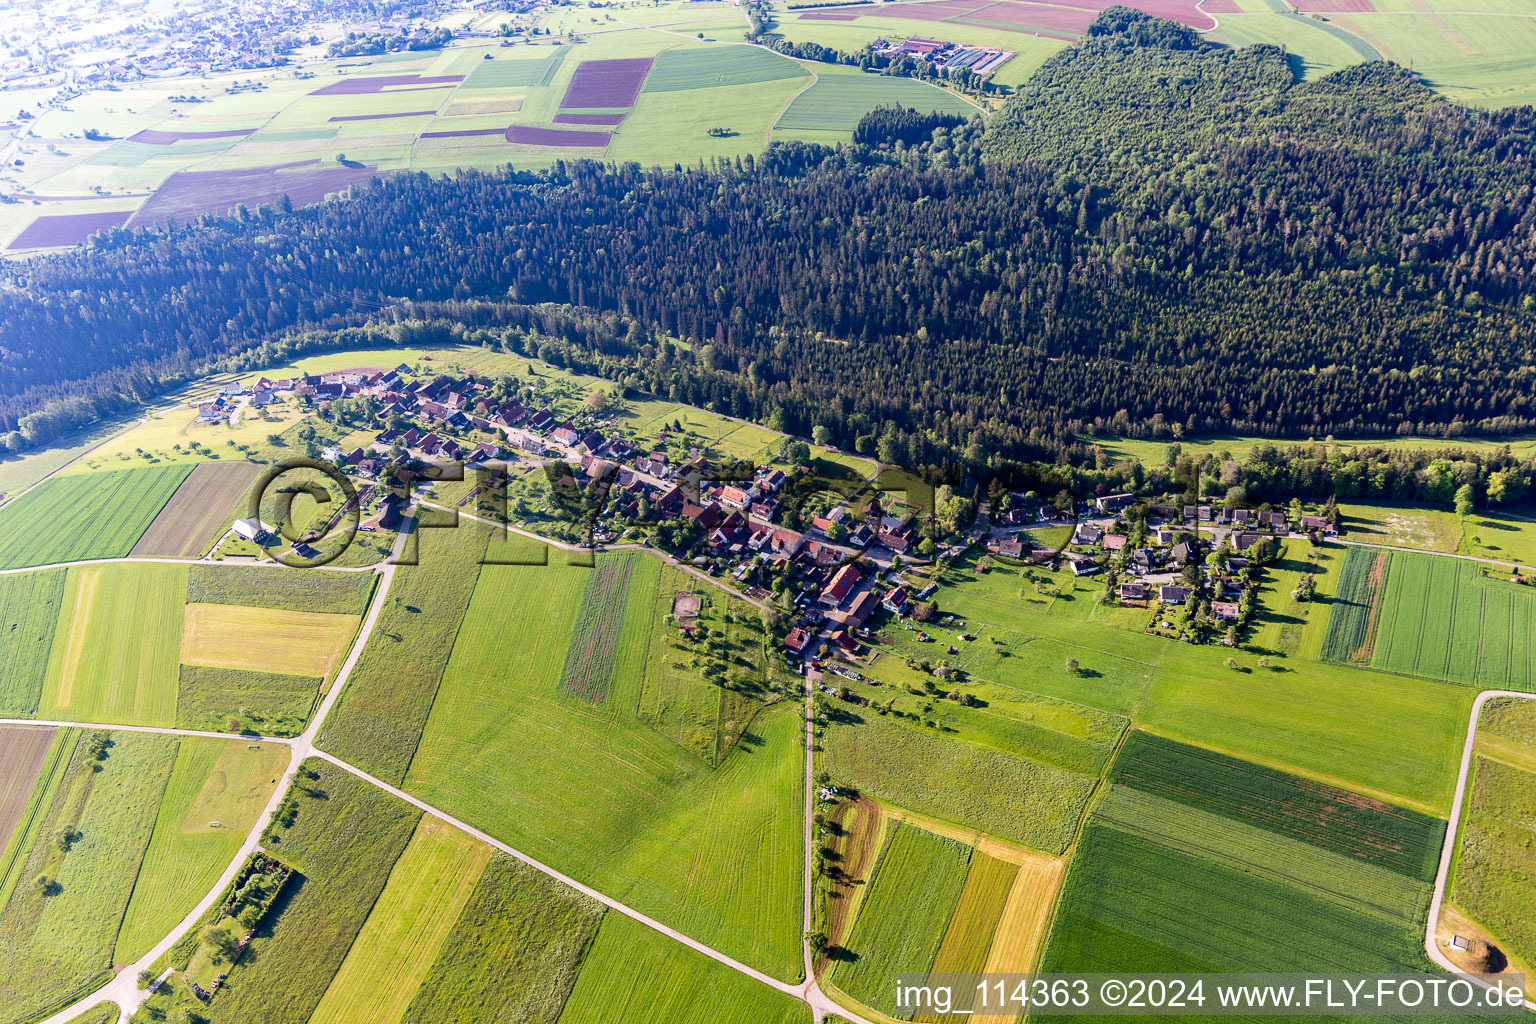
(832, 554)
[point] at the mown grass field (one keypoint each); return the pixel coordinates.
(299, 590)
(903, 919)
(343, 839)
(594, 791)
(212, 781)
(23, 752)
(30, 604)
(56, 944)
(430, 884)
(95, 515)
(378, 721)
(115, 651)
(978, 787)
(235, 700)
(265, 639)
(513, 954)
(201, 506)
(632, 973)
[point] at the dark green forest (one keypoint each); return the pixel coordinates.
(1155, 236)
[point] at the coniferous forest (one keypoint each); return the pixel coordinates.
(1154, 235)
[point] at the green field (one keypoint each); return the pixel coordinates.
(842, 96)
(240, 700)
(978, 787)
(632, 973)
(594, 647)
(56, 944)
(29, 824)
(429, 886)
(96, 515)
(201, 509)
(30, 603)
(513, 955)
(903, 917)
(213, 781)
(343, 837)
(594, 791)
(1368, 831)
(298, 590)
(114, 654)
(968, 939)
(684, 68)
(378, 720)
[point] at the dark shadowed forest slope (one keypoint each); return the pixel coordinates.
(1153, 228)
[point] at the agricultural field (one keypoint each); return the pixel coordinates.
(431, 883)
(1004, 795)
(1435, 617)
(30, 603)
(23, 752)
(236, 700)
(325, 593)
(216, 791)
(378, 720)
(198, 512)
(517, 946)
(114, 655)
(343, 837)
(263, 639)
(28, 822)
(632, 973)
(903, 919)
(1235, 446)
(594, 791)
(59, 925)
(71, 518)
(843, 95)
(20, 471)
(589, 661)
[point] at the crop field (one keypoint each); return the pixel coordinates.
(262, 639)
(201, 506)
(216, 791)
(596, 792)
(344, 841)
(1368, 830)
(968, 939)
(632, 973)
(30, 603)
(1494, 858)
(23, 752)
(684, 68)
(1133, 905)
(96, 515)
(1026, 918)
(39, 800)
(114, 654)
(236, 700)
(902, 920)
(838, 100)
(589, 662)
(517, 945)
(56, 941)
(1009, 797)
(335, 593)
(430, 884)
(378, 721)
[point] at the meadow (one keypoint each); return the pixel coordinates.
(589, 661)
(114, 655)
(20, 471)
(262, 639)
(378, 720)
(513, 954)
(429, 886)
(56, 941)
(237, 700)
(217, 789)
(30, 604)
(632, 973)
(330, 593)
(96, 515)
(594, 791)
(997, 793)
(198, 512)
(343, 837)
(903, 919)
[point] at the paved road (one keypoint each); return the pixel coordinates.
(1448, 851)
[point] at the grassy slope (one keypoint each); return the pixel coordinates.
(594, 792)
(57, 947)
(213, 780)
(30, 604)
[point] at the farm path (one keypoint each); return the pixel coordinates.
(1421, 551)
(124, 990)
(1448, 851)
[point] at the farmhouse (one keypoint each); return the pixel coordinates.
(249, 529)
(797, 640)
